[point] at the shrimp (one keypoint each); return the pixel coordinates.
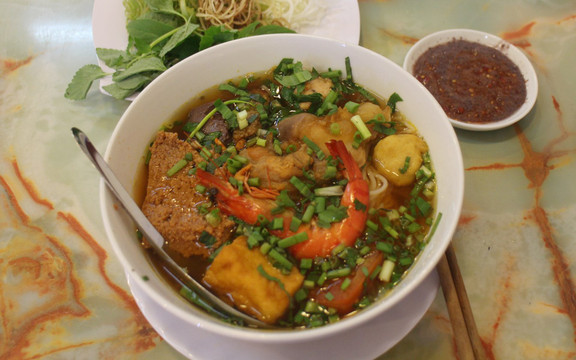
(321, 241)
(245, 207)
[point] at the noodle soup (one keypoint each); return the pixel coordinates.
(295, 195)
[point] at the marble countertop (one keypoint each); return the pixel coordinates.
(63, 295)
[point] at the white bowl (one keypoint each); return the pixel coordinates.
(512, 52)
(160, 100)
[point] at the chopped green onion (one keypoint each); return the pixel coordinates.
(335, 129)
(335, 190)
(414, 227)
(406, 165)
(308, 284)
(254, 181)
(180, 164)
(405, 261)
(315, 148)
(333, 214)
(423, 206)
(211, 113)
(361, 126)
(308, 213)
(280, 259)
(387, 269)
(320, 204)
(348, 69)
(371, 225)
(265, 248)
(277, 223)
(295, 224)
(312, 307)
(306, 263)
(201, 188)
(293, 240)
(301, 186)
(300, 295)
(330, 172)
(338, 249)
(338, 273)
(352, 107)
(321, 279)
(391, 231)
(261, 142)
(242, 118)
(213, 217)
(384, 247)
(345, 284)
(328, 103)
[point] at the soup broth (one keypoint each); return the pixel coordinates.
(295, 195)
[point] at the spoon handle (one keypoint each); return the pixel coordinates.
(152, 236)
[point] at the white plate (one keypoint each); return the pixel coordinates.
(201, 345)
(512, 52)
(342, 23)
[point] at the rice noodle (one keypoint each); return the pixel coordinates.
(377, 183)
(294, 14)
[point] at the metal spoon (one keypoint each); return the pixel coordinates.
(155, 239)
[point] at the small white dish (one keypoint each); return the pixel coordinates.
(512, 52)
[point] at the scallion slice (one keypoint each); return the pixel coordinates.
(335, 190)
(293, 240)
(361, 126)
(387, 269)
(180, 164)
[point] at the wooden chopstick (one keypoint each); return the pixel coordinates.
(468, 343)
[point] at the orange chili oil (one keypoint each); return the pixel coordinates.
(472, 82)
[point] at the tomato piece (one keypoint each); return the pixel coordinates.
(344, 300)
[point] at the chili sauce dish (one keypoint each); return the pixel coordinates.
(311, 184)
(481, 81)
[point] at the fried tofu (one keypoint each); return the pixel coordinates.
(235, 274)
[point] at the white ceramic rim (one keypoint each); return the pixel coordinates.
(511, 51)
(452, 199)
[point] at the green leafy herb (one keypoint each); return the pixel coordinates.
(392, 100)
(160, 34)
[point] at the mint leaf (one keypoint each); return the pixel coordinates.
(135, 82)
(113, 58)
(248, 30)
(165, 6)
(272, 29)
(215, 35)
(151, 63)
(145, 31)
(117, 92)
(182, 34)
(82, 81)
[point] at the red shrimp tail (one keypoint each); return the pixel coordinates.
(210, 180)
(338, 149)
(230, 201)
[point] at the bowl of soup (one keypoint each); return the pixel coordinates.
(311, 184)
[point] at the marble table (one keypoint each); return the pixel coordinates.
(63, 295)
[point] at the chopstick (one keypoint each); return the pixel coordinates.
(468, 343)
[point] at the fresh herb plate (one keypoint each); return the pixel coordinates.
(342, 23)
